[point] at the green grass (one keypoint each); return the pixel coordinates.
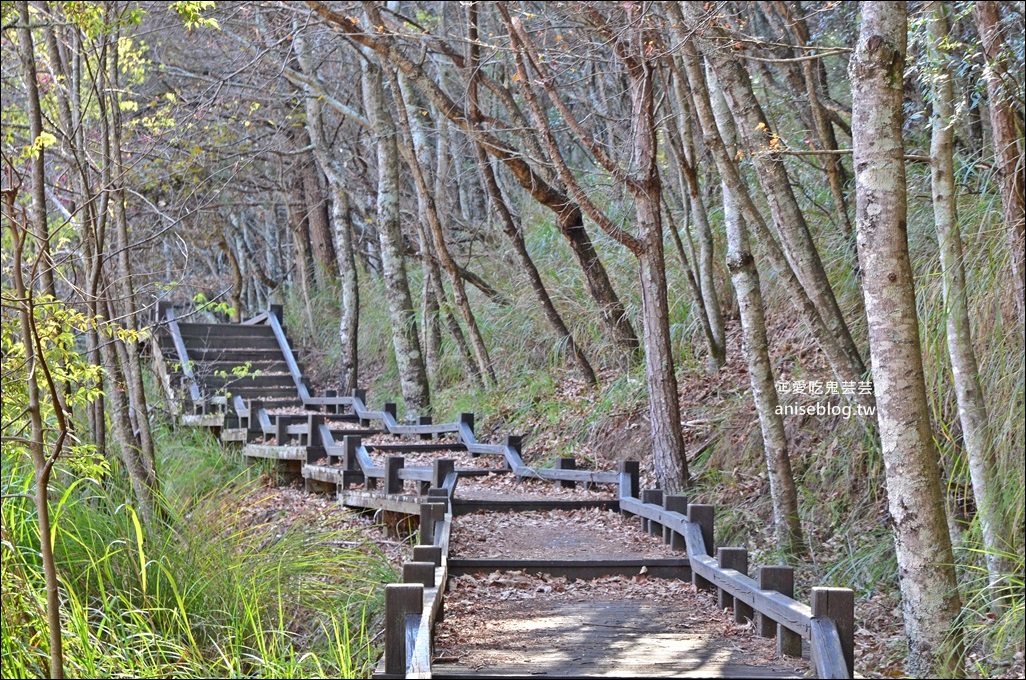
(226, 587)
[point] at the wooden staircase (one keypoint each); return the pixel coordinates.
(244, 381)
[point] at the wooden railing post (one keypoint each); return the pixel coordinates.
(362, 396)
(425, 420)
(515, 442)
(428, 553)
(402, 601)
(350, 443)
(252, 422)
(567, 464)
(313, 423)
(838, 604)
(419, 572)
(440, 469)
(391, 409)
(674, 503)
(704, 516)
(429, 514)
(630, 474)
(281, 427)
(468, 420)
(654, 496)
(736, 559)
(393, 464)
(780, 579)
(331, 408)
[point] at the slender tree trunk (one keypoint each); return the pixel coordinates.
(410, 361)
(926, 570)
(418, 155)
(706, 272)
(972, 409)
(343, 241)
(37, 448)
(114, 172)
(27, 52)
(840, 362)
(1008, 146)
(799, 247)
(349, 324)
(745, 274)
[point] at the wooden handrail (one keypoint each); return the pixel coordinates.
(290, 359)
(830, 655)
(183, 356)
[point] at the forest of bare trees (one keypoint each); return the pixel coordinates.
(638, 185)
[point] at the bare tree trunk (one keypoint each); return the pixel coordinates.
(115, 174)
(40, 227)
(745, 274)
(417, 151)
(342, 233)
(794, 233)
(926, 572)
(349, 324)
(410, 361)
(972, 409)
(1008, 146)
(37, 447)
(706, 274)
(840, 362)
(324, 257)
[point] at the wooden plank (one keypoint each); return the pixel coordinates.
(403, 601)
(290, 359)
(355, 498)
(838, 605)
(782, 609)
(416, 448)
(668, 568)
(323, 473)
(207, 420)
(274, 452)
(827, 651)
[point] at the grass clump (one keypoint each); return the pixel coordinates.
(234, 582)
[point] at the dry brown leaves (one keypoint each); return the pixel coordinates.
(509, 487)
(554, 534)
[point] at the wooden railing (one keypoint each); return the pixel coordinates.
(183, 358)
(828, 624)
(413, 606)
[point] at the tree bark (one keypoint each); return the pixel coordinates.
(1008, 147)
(40, 227)
(926, 573)
(410, 361)
(745, 275)
(972, 409)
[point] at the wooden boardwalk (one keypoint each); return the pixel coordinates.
(658, 613)
(606, 638)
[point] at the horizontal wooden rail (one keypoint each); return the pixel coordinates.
(828, 624)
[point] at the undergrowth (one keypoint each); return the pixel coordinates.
(222, 587)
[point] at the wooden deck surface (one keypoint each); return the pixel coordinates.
(608, 638)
